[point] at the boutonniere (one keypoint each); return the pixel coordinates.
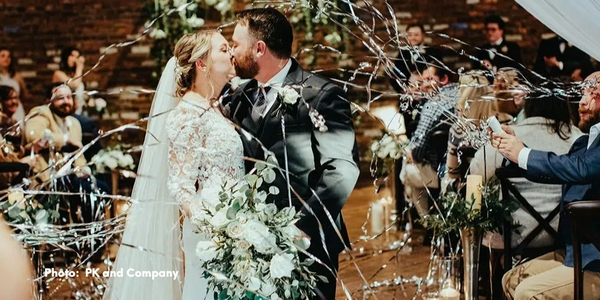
(289, 97)
(504, 49)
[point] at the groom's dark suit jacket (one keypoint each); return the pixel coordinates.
(579, 172)
(324, 162)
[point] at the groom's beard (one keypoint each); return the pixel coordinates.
(246, 68)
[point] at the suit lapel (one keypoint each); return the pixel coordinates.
(270, 124)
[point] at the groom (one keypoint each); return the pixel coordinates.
(325, 162)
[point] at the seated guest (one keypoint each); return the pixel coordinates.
(510, 98)
(414, 57)
(494, 29)
(547, 127)
(551, 276)
(9, 76)
(71, 67)
(55, 122)
(419, 170)
(472, 108)
(9, 98)
(559, 59)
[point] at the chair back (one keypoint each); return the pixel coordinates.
(581, 214)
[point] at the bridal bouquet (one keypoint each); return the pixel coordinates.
(251, 247)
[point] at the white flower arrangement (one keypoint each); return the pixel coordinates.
(251, 250)
(288, 95)
(112, 159)
(385, 151)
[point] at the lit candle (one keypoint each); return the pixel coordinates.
(474, 190)
(377, 217)
(449, 294)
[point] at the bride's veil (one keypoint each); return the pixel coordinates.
(151, 241)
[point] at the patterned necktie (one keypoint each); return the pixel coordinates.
(260, 104)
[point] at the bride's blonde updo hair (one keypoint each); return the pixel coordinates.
(188, 50)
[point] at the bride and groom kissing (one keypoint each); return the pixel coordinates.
(196, 139)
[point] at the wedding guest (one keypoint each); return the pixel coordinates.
(551, 276)
(16, 272)
(419, 170)
(492, 53)
(71, 67)
(509, 96)
(475, 104)
(414, 56)
(54, 122)
(547, 127)
(9, 98)
(10, 77)
(559, 59)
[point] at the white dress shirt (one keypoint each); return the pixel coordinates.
(524, 153)
(276, 82)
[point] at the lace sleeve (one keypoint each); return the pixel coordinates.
(186, 138)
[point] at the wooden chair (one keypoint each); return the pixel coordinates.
(582, 214)
(508, 189)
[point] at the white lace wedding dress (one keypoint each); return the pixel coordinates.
(204, 151)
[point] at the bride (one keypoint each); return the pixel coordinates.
(189, 146)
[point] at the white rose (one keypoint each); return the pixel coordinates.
(242, 245)
(125, 160)
(100, 104)
(210, 196)
(206, 250)
(219, 220)
(281, 266)
(210, 2)
(289, 95)
(235, 230)
(258, 235)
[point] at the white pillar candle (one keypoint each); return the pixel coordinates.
(377, 217)
(449, 294)
(474, 190)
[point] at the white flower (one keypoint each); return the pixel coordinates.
(289, 95)
(242, 245)
(111, 163)
(99, 103)
(268, 288)
(157, 34)
(291, 231)
(219, 220)
(223, 6)
(257, 234)
(206, 250)
(195, 22)
(210, 2)
(235, 230)
(210, 196)
(333, 38)
(125, 160)
(281, 265)
(253, 284)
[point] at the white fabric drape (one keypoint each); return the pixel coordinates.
(577, 21)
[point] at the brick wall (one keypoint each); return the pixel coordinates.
(36, 30)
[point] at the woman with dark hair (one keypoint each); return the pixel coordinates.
(9, 99)
(547, 127)
(10, 77)
(71, 66)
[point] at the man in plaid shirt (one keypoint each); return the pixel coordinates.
(421, 164)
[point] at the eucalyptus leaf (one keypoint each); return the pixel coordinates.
(270, 176)
(273, 190)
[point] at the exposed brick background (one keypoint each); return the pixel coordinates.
(36, 30)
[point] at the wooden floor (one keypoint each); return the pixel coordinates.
(378, 265)
(374, 262)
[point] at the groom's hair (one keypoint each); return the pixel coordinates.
(270, 26)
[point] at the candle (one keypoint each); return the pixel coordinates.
(449, 294)
(474, 190)
(377, 217)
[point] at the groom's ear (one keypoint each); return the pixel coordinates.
(200, 64)
(261, 48)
